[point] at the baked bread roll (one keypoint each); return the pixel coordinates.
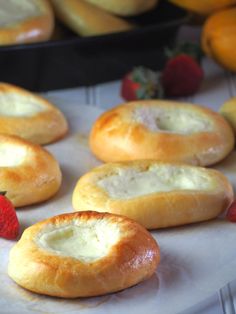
(25, 21)
(125, 8)
(155, 194)
(87, 19)
(228, 110)
(162, 130)
(30, 116)
(29, 174)
(83, 254)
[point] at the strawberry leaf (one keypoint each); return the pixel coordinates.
(189, 48)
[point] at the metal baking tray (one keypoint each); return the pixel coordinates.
(73, 61)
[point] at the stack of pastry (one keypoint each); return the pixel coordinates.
(28, 21)
(95, 17)
(29, 173)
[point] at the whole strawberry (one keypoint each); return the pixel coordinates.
(9, 224)
(141, 83)
(182, 76)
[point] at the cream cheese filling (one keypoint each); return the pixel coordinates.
(16, 105)
(172, 120)
(130, 182)
(11, 155)
(14, 11)
(86, 242)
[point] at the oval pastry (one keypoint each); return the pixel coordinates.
(155, 194)
(83, 254)
(125, 8)
(27, 115)
(161, 130)
(29, 174)
(25, 21)
(87, 19)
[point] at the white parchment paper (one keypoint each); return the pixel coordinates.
(196, 260)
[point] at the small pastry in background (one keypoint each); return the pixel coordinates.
(203, 7)
(218, 38)
(155, 194)
(29, 174)
(25, 21)
(125, 7)
(86, 19)
(161, 130)
(83, 254)
(30, 116)
(228, 110)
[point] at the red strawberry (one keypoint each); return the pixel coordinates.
(231, 213)
(9, 224)
(140, 83)
(181, 76)
(129, 88)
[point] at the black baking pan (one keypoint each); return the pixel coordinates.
(75, 61)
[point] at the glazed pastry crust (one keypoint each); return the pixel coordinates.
(87, 19)
(42, 127)
(32, 29)
(132, 259)
(125, 8)
(159, 209)
(116, 136)
(36, 179)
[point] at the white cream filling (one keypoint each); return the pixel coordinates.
(129, 183)
(11, 155)
(84, 241)
(16, 105)
(13, 11)
(175, 120)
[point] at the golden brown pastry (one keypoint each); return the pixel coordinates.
(29, 174)
(125, 7)
(162, 130)
(228, 110)
(83, 254)
(30, 116)
(25, 21)
(155, 194)
(87, 19)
